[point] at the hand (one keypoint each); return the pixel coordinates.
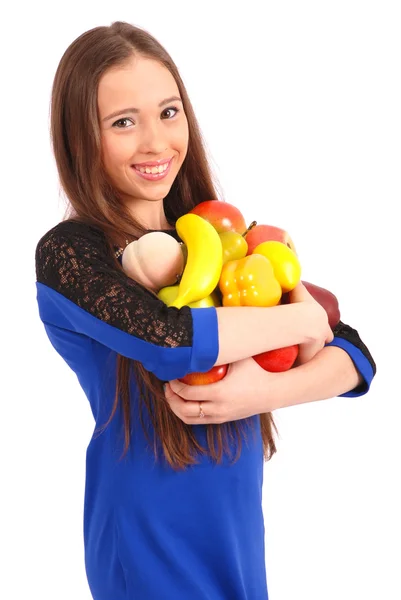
(324, 332)
(242, 393)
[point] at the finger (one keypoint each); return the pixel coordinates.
(192, 392)
(176, 403)
(193, 413)
(189, 412)
(167, 391)
(174, 399)
(169, 394)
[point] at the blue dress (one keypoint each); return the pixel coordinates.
(150, 532)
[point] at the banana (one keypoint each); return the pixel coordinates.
(204, 261)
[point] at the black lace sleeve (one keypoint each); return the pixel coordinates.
(74, 260)
(81, 289)
(341, 330)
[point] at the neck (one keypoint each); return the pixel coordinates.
(149, 213)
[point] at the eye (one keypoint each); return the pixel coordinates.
(120, 123)
(116, 124)
(177, 110)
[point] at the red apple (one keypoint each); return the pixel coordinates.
(222, 215)
(211, 376)
(278, 360)
(264, 233)
(327, 300)
(285, 298)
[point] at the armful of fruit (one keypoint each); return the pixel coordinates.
(221, 262)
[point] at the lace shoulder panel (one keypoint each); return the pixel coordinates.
(346, 332)
(75, 260)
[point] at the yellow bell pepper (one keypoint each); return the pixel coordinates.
(249, 281)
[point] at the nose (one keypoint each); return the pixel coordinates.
(152, 140)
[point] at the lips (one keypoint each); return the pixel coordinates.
(153, 176)
(153, 163)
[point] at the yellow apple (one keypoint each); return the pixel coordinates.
(285, 263)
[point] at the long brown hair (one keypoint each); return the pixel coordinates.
(76, 143)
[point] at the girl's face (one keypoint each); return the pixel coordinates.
(142, 120)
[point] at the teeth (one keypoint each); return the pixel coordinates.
(153, 170)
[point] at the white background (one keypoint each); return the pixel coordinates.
(299, 104)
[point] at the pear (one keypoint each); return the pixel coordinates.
(234, 245)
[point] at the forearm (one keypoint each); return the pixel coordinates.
(330, 373)
(246, 331)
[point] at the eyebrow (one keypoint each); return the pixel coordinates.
(136, 110)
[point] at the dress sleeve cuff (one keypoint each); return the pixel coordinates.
(205, 342)
(361, 363)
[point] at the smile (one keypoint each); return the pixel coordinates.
(153, 173)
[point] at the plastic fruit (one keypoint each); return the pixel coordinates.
(249, 281)
(169, 294)
(154, 260)
(204, 259)
(234, 245)
(211, 376)
(222, 215)
(263, 233)
(326, 299)
(278, 360)
(285, 263)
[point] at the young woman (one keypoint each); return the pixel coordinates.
(173, 498)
